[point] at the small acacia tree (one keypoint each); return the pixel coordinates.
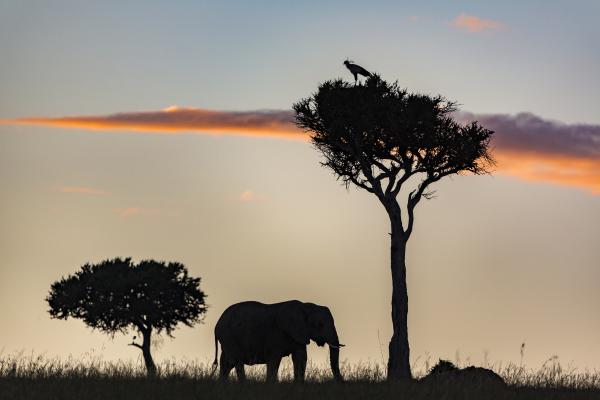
(377, 136)
(118, 295)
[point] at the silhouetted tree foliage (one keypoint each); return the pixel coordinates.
(377, 136)
(117, 295)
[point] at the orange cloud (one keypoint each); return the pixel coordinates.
(80, 189)
(558, 170)
(246, 196)
(249, 196)
(536, 149)
(179, 120)
(526, 146)
(474, 24)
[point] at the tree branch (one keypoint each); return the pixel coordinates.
(395, 169)
(375, 184)
(415, 196)
(140, 325)
(391, 181)
(408, 172)
(381, 166)
(413, 199)
(361, 184)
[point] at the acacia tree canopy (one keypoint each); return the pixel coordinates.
(377, 135)
(117, 294)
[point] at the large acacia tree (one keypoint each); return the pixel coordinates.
(117, 295)
(378, 136)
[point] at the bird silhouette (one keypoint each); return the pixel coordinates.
(356, 70)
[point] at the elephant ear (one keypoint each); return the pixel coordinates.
(293, 323)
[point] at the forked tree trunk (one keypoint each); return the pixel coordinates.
(148, 361)
(399, 351)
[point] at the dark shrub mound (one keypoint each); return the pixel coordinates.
(446, 373)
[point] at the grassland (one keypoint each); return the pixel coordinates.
(38, 377)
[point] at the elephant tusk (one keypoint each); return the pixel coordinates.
(337, 346)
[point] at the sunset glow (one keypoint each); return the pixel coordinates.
(566, 171)
(178, 120)
(516, 149)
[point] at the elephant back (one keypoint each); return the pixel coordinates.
(243, 331)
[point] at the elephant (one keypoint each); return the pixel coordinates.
(251, 333)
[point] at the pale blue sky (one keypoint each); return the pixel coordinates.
(98, 57)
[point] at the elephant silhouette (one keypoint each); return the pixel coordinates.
(255, 333)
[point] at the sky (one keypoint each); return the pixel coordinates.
(155, 130)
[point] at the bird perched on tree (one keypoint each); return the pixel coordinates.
(356, 70)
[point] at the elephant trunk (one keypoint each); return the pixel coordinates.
(334, 359)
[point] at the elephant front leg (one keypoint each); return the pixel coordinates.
(299, 360)
(273, 369)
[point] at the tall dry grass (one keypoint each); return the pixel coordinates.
(552, 373)
(35, 376)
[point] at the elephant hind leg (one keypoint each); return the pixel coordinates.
(273, 369)
(299, 360)
(239, 371)
(225, 367)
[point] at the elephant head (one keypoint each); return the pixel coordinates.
(321, 328)
(307, 321)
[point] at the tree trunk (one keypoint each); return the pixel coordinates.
(148, 361)
(399, 351)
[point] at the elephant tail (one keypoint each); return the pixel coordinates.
(216, 363)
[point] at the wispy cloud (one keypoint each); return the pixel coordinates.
(133, 211)
(528, 133)
(80, 190)
(536, 149)
(178, 120)
(248, 196)
(526, 146)
(473, 24)
(563, 171)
